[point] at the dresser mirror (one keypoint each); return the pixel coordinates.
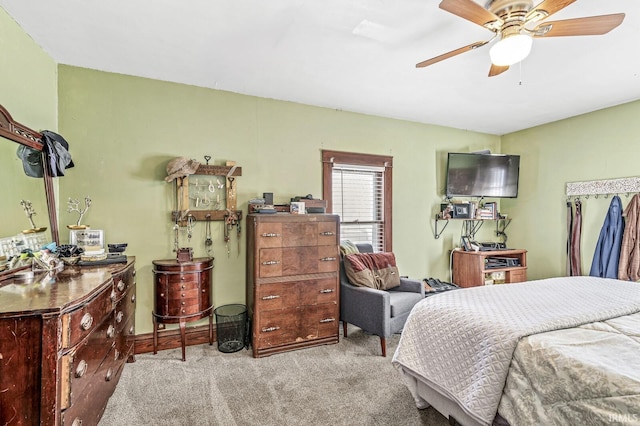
(17, 186)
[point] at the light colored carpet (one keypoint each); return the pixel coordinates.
(348, 383)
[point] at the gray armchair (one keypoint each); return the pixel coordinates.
(379, 312)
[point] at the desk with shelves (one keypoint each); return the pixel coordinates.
(470, 267)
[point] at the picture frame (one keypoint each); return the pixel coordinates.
(462, 211)
(90, 240)
(466, 243)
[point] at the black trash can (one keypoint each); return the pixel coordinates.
(231, 326)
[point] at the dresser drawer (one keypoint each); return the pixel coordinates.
(125, 309)
(327, 234)
(123, 281)
(325, 319)
(79, 323)
(296, 234)
(90, 404)
(80, 364)
(276, 262)
(296, 293)
(297, 324)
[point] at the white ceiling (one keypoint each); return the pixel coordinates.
(352, 55)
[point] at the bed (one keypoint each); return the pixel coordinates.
(553, 351)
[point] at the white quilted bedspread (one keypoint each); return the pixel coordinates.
(461, 342)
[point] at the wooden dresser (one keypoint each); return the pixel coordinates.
(182, 294)
(64, 341)
(292, 281)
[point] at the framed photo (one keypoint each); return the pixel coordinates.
(297, 207)
(462, 211)
(466, 243)
(91, 240)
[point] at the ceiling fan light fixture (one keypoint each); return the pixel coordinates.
(511, 50)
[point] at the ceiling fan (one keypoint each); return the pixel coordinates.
(513, 23)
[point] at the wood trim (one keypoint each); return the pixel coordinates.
(170, 339)
(357, 159)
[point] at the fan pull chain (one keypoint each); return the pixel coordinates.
(520, 70)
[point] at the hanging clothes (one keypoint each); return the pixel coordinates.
(607, 253)
(569, 230)
(576, 231)
(629, 265)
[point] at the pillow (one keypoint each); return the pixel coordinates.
(374, 270)
(347, 247)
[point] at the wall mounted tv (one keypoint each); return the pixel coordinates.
(482, 175)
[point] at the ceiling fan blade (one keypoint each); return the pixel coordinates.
(450, 54)
(497, 69)
(591, 25)
(471, 11)
(546, 9)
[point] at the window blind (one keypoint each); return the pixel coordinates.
(358, 199)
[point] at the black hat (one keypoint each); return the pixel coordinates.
(31, 161)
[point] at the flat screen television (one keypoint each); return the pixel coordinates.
(482, 175)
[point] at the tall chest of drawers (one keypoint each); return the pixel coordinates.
(292, 281)
(64, 341)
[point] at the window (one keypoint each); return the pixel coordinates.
(357, 187)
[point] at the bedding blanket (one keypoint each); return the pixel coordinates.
(583, 376)
(461, 342)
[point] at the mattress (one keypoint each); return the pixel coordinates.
(460, 344)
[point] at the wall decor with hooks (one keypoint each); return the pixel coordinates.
(603, 187)
(208, 194)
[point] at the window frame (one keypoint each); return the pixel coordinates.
(329, 158)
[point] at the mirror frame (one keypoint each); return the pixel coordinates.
(12, 130)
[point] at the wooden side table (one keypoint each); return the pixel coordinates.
(182, 294)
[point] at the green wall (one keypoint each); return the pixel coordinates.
(123, 130)
(28, 90)
(601, 145)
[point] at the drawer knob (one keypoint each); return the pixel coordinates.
(204, 290)
(327, 234)
(113, 296)
(269, 329)
(182, 295)
(134, 272)
(133, 298)
(271, 262)
(183, 303)
(327, 259)
(183, 286)
(86, 321)
(107, 377)
(161, 294)
(119, 316)
(81, 368)
(327, 320)
(76, 422)
(271, 296)
(121, 285)
(116, 355)
(111, 331)
(131, 330)
(270, 235)
(326, 290)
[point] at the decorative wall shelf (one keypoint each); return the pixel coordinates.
(473, 225)
(604, 187)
